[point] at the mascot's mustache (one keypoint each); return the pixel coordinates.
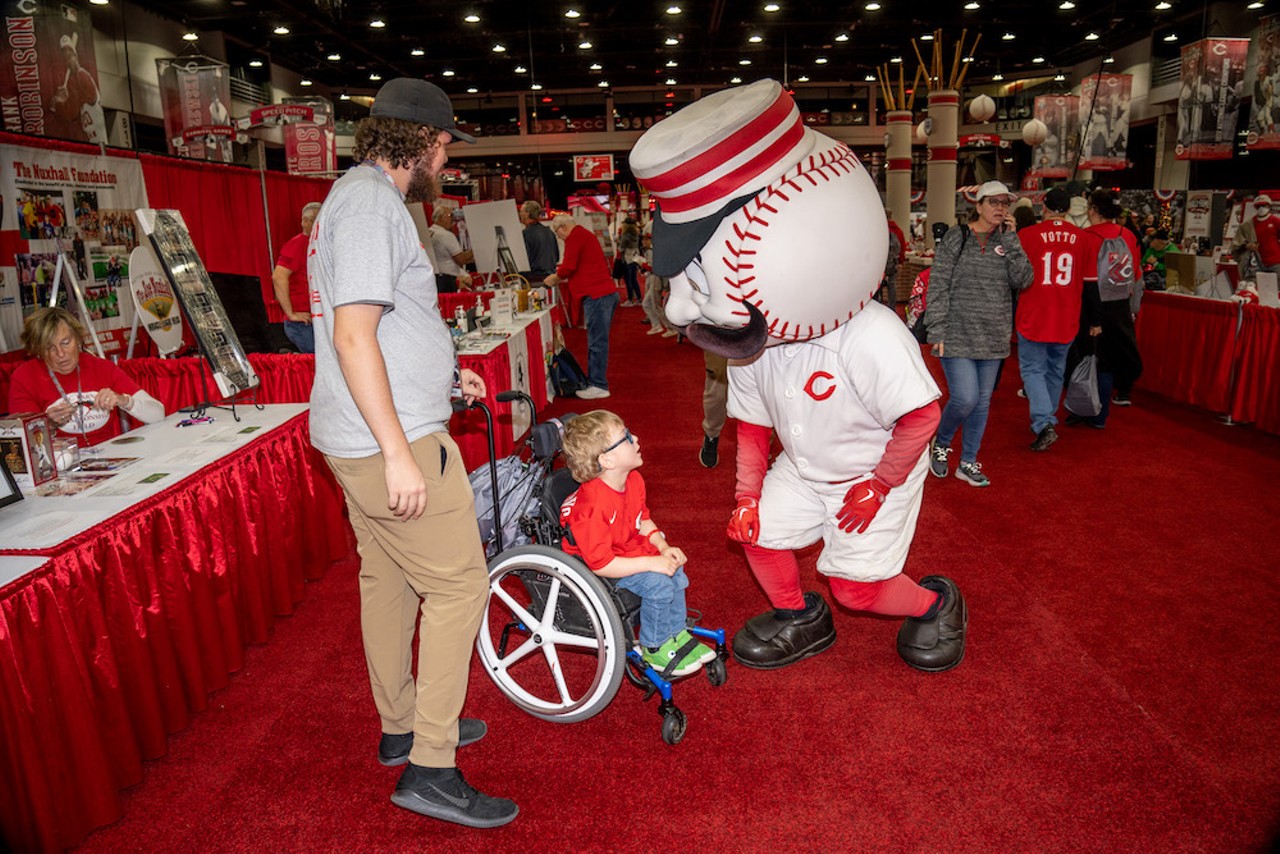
(737, 342)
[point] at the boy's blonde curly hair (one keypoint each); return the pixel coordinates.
(585, 439)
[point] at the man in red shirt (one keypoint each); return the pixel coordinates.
(585, 275)
(1049, 311)
(289, 279)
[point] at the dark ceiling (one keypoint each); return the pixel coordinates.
(628, 39)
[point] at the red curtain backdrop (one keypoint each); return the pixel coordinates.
(1256, 396)
(1188, 345)
(110, 647)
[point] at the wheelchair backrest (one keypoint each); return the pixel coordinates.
(558, 486)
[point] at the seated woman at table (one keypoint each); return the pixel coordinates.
(77, 391)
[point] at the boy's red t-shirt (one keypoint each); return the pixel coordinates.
(605, 523)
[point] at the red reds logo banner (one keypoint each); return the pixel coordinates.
(1264, 118)
(1209, 99)
(823, 380)
(195, 95)
(1055, 157)
(593, 167)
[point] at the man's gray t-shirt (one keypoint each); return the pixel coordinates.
(365, 249)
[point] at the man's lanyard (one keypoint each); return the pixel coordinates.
(79, 401)
(385, 174)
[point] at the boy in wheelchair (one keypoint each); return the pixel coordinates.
(610, 530)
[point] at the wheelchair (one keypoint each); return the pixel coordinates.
(556, 639)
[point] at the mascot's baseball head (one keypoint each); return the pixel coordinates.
(767, 230)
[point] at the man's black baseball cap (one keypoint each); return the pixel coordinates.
(419, 102)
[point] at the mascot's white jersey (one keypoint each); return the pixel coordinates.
(833, 400)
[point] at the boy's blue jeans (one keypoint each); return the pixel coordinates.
(662, 608)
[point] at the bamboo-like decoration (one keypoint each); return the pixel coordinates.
(955, 60)
(915, 84)
(902, 89)
(886, 90)
(972, 52)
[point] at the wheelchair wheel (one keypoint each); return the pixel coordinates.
(551, 639)
(674, 724)
(717, 673)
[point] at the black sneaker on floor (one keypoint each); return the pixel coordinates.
(709, 456)
(394, 750)
(443, 793)
(938, 459)
(1044, 439)
(1121, 400)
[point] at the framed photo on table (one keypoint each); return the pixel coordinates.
(9, 492)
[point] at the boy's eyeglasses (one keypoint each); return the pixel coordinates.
(626, 437)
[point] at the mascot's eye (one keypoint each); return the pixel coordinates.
(696, 276)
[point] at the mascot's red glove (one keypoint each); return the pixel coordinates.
(744, 524)
(861, 503)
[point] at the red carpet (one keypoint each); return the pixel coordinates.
(1119, 691)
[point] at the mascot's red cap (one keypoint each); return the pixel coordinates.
(704, 162)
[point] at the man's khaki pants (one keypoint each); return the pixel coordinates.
(434, 563)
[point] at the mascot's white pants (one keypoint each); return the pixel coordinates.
(795, 513)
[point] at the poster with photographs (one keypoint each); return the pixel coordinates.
(1212, 89)
(80, 207)
(218, 342)
(1056, 156)
(1264, 118)
(1104, 121)
(50, 75)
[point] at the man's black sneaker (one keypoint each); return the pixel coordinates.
(443, 793)
(1044, 439)
(394, 750)
(709, 456)
(1121, 400)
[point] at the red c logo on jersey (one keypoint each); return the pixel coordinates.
(813, 380)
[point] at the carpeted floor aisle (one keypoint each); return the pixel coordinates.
(1119, 691)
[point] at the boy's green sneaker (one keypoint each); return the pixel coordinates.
(691, 662)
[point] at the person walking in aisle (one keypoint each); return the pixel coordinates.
(380, 406)
(585, 275)
(975, 272)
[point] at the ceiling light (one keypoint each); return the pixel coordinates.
(335, 57)
(304, 82)
(585, 45)
(281, 30)
(448, 72)
(1164, 4)
(755, 39)
(771, 7)
(595, 66)
(973, 4)
(872, 7)
(1008, 37)
(1037, 59)
(499, 48)
(344, 96)
(190, 37)
(375, 77)
(1108, 59)
(671, 41)
(1059, 77)
(377, 23)
(927, 37)
(671, 63)
(471, 90)
(520, 69)
(603, 84)
(997, 77)
(255, 63)
(417, 51)
(1066, 4)
(967, 59)
(735, 80)
(99, 2)
(842, 37)
(895, 59)
(1253, 6)
(572, 13)
(1172, 37)
(870, 78)
(821, 60)
(671, 81)
(744, 62)
(674, 10)
(803, 78)
(537, 87)
(1091, 37)
(472, 18)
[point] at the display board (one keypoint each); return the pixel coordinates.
(483, 221)
(198, 298)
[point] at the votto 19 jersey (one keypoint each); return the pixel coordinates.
(1049, 310)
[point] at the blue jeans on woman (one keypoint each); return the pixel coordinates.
(662, 608)
(969, 386)
(598, 313)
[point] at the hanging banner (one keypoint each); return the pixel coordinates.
(49, 79)
(1264, 119)
(1209, 99)
(154, 300)
(593, 167)
(1104, 121)
(311, 144)
(1056, 156)
(77, 206)
(195, 92)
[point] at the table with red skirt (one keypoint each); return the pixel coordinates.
(1221, 355)
(112, 638)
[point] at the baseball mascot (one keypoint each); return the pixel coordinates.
(774, 239)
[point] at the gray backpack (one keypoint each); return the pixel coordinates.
(1117, 269)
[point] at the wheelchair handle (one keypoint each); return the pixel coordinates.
(461, 406)
(516, 394)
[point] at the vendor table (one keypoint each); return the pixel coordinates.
(124, 606)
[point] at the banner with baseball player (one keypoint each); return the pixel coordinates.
(1056, 156)
(49, 81)
(77, 208)
(195, 93)
(1209, 98)
(1264, 118)
(1104, 121)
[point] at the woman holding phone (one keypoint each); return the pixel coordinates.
(969, 315)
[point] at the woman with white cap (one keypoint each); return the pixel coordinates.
(969, 316)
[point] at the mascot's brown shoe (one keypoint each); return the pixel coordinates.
(937, 644)
(769, 640)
